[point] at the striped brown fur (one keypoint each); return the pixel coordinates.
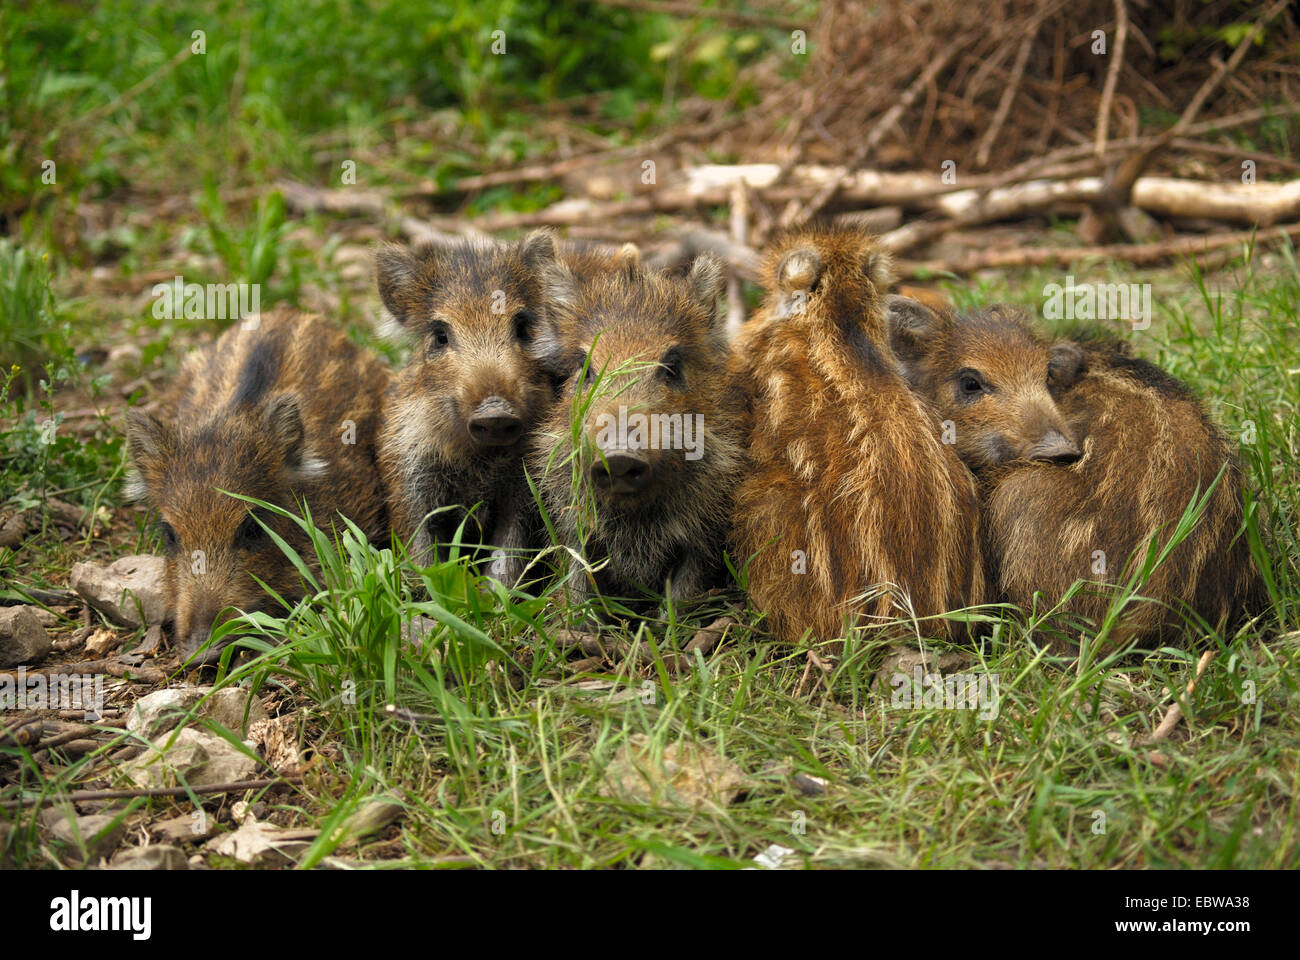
(847, 462)
(485, 332)
(1144, 448)
(261, 413)
(654, 344)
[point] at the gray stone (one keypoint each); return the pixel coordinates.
(160, 856)
(162, 711)
(372, 816)
(128, 591)
(22, 638)
(90, 832)
(227, 707)
(198, 757)
(187, 828)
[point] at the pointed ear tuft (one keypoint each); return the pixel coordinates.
(879, 268)
(284, 424)
(799, 270)
(1065, 365)
(402, 278)
(558, 284)
(628, 261)
(707, 279)
(538, 250)
(629, 255)
(146, 438)
(912, 326)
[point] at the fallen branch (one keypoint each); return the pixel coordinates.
(1262, 204)
(1136, 253)
(81, 796)
(1175, 713)
(23, 733)
(1112, 76)
(891, 116)
(79, 733)
(1008, 94)
(113, 668)
(1107, 213)
(741, 258)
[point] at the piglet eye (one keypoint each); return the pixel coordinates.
(439, 337)
(583, 376)
(167, 532)
(670, 368)
(524, 322)
(251, 535)
(970, 384)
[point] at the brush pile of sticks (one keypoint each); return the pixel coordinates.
(1160, 129)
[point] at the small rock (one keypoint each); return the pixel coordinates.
(92, 832)
(772, 857)
(22, 638)
(151, 643)
(187, 828)
(227, 707)
(162, 711)
(48, 618)
(159, 856)
(199, 757)
(686, 773)
(13, 527)
(416, 629)
(369, 818)
(809, 785)
(129, 591)
(263, 845)
(99, 643)
(905, 661)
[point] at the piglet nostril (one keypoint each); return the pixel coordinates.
(1055, 447)
(495, 430)
(495, 424)
(621, 472)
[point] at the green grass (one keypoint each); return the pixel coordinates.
(500, 757)
(498, 752)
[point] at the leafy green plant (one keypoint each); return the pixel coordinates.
(29, 332)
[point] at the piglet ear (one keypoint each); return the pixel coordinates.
(284, 421)
(146, 443)
(799, 270)
(146, 437)
(629, 256)
(404, 277)
(912, 326)
(558, 285)
(796, 278)
(1066, 364)
(537, 250)
(285, 429)
(879, 268)
(706, 279)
